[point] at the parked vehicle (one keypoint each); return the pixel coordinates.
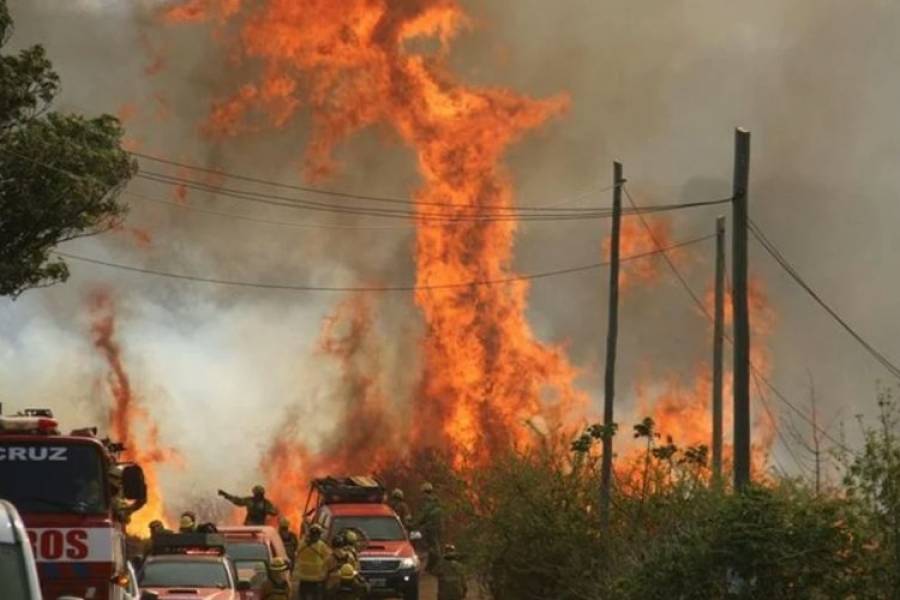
(18, 574)
(192, 565)
(73, 494)
(387, 558)
(251, 548)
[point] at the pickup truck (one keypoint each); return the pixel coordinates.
(387, 558)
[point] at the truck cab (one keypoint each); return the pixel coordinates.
(73, 496)
(387, 558)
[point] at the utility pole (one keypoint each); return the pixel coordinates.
(612, 334)
(741, 310)
(718, 340)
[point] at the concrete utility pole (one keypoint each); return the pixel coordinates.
(612, 334)
(741, 310)
(718, 340)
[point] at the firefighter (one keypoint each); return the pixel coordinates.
(344, 553)
(288, 537)
(157, 528)
(430, 524)
(451, 576)
(346, 549)
(277, 585)
(258, 506)
(311, 565)
(351, 585)
(399, 505)
(187, 523)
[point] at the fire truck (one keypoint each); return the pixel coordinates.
(74, 496)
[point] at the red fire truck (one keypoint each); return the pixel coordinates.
(74, 496)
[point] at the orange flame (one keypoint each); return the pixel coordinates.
(485, 374)
(129, 421)
(636, 240)
(684, 411)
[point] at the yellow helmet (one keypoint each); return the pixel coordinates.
(284, 522)
(278, 564)
(427, 488)
(350, 537)
(258, 489)
(397, 494)
(186, 522)
(347, 571)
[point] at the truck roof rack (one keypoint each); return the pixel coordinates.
(188, 543)
(356, 489)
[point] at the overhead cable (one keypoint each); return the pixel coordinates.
(776, 254)
(395, 288)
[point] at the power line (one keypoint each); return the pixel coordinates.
(398, 288)
(417, 216)
(699, 303)
(774, 419)
(775, 253)
(316, 206)
(348, 195)
(297, 224)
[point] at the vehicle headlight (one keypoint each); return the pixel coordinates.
(409, 563)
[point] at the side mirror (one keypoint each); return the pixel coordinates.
(133, 485)
(136, 562)
(415, 536)
(242, 586)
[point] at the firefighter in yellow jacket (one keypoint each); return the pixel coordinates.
(277, 585)
(311, 565)
(351, 585)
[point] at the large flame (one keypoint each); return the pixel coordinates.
(682, 409)
(484, 373)
(129, 421)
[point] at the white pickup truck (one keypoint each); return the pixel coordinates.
(18, 575)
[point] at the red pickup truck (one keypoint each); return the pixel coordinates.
(387, 558)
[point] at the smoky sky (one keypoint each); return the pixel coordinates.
(657, 85)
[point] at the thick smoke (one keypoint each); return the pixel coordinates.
(659, 86)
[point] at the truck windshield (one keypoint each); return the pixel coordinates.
(13, 577)
(48, 478)
(186, 573)
(377, 529)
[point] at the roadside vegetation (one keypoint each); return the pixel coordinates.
(528, 527)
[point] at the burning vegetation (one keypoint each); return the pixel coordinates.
(129, 420)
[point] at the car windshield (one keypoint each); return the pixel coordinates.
(377, 529)
(13, 578)
(247, 550)
(254, 571)
(186, 573)
(47, 478)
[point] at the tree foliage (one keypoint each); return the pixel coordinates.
(60, 174)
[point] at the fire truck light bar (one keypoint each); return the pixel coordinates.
(28, 424)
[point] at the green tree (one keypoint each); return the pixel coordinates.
(872, 479)
(60, 174)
